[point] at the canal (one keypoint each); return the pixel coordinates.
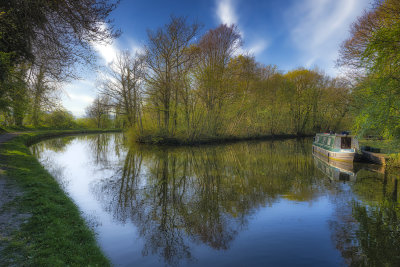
(243, 204)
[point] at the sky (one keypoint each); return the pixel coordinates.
(286, 33)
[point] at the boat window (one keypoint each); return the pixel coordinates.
(346, 143)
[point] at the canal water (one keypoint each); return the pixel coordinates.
(264, 203)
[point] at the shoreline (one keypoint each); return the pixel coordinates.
(52, 231)
(173, 141)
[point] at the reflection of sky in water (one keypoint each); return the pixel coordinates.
(288, 226)
(82, 172)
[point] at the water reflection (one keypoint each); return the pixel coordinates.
(181, 200)
(336, 171)
(200, 194)
(367, 230)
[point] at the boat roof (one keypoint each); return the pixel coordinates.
(338, 135)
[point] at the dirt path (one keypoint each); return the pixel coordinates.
(8, 136)
(10, 217)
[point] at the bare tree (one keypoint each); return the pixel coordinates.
(166, 58)
(217, 47)
(123, 84)
(61, 30)
(99, 110)
(43, 92)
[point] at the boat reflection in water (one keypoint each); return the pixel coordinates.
(335, 170)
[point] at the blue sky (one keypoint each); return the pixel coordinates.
(286, 33)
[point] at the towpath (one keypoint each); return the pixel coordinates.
(10, 217)
(8, 136)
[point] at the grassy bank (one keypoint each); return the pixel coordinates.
(204, 140)
(389, 147)
(385, 146)
(55, 234)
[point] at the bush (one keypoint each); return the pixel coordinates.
(60, 119)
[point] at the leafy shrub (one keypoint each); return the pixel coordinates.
(60, 119)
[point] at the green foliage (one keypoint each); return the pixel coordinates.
(5, 67)
(60, 119)
(85, 123)
(69, 28)
(374, 49)
(253, 101)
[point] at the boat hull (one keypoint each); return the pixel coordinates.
(334, 156)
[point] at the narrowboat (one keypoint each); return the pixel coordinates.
(335, 147)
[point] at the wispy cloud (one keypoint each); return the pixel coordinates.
(107, 51)
(81, 98)
(227, 14)
(78, 95)
(319, 26)
(258, 46)
(135, 47)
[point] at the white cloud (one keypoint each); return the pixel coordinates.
(81, 98)
(319, 26)
(78, 95)
(135, 47)
(107, 51)
(258, 46)
(226, 12)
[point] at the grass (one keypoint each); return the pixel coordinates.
(30, 128)
(386, 146)
(55, 234)
(389, 147)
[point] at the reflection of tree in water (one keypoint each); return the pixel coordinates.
(99, 146)
(204, 194)
(367, 230)
(46, 159)
(56, 145)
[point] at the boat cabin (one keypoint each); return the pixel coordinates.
(336, 142)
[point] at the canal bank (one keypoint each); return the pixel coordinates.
(212, 140)
(42, 226)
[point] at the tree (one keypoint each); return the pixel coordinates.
(217, 47)
(165, 58)
(304, 89)
(373, 50)
(60, 118)
(43, 93)
(63, 30)
(57, 34)
(123, 85)
(99, 111)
